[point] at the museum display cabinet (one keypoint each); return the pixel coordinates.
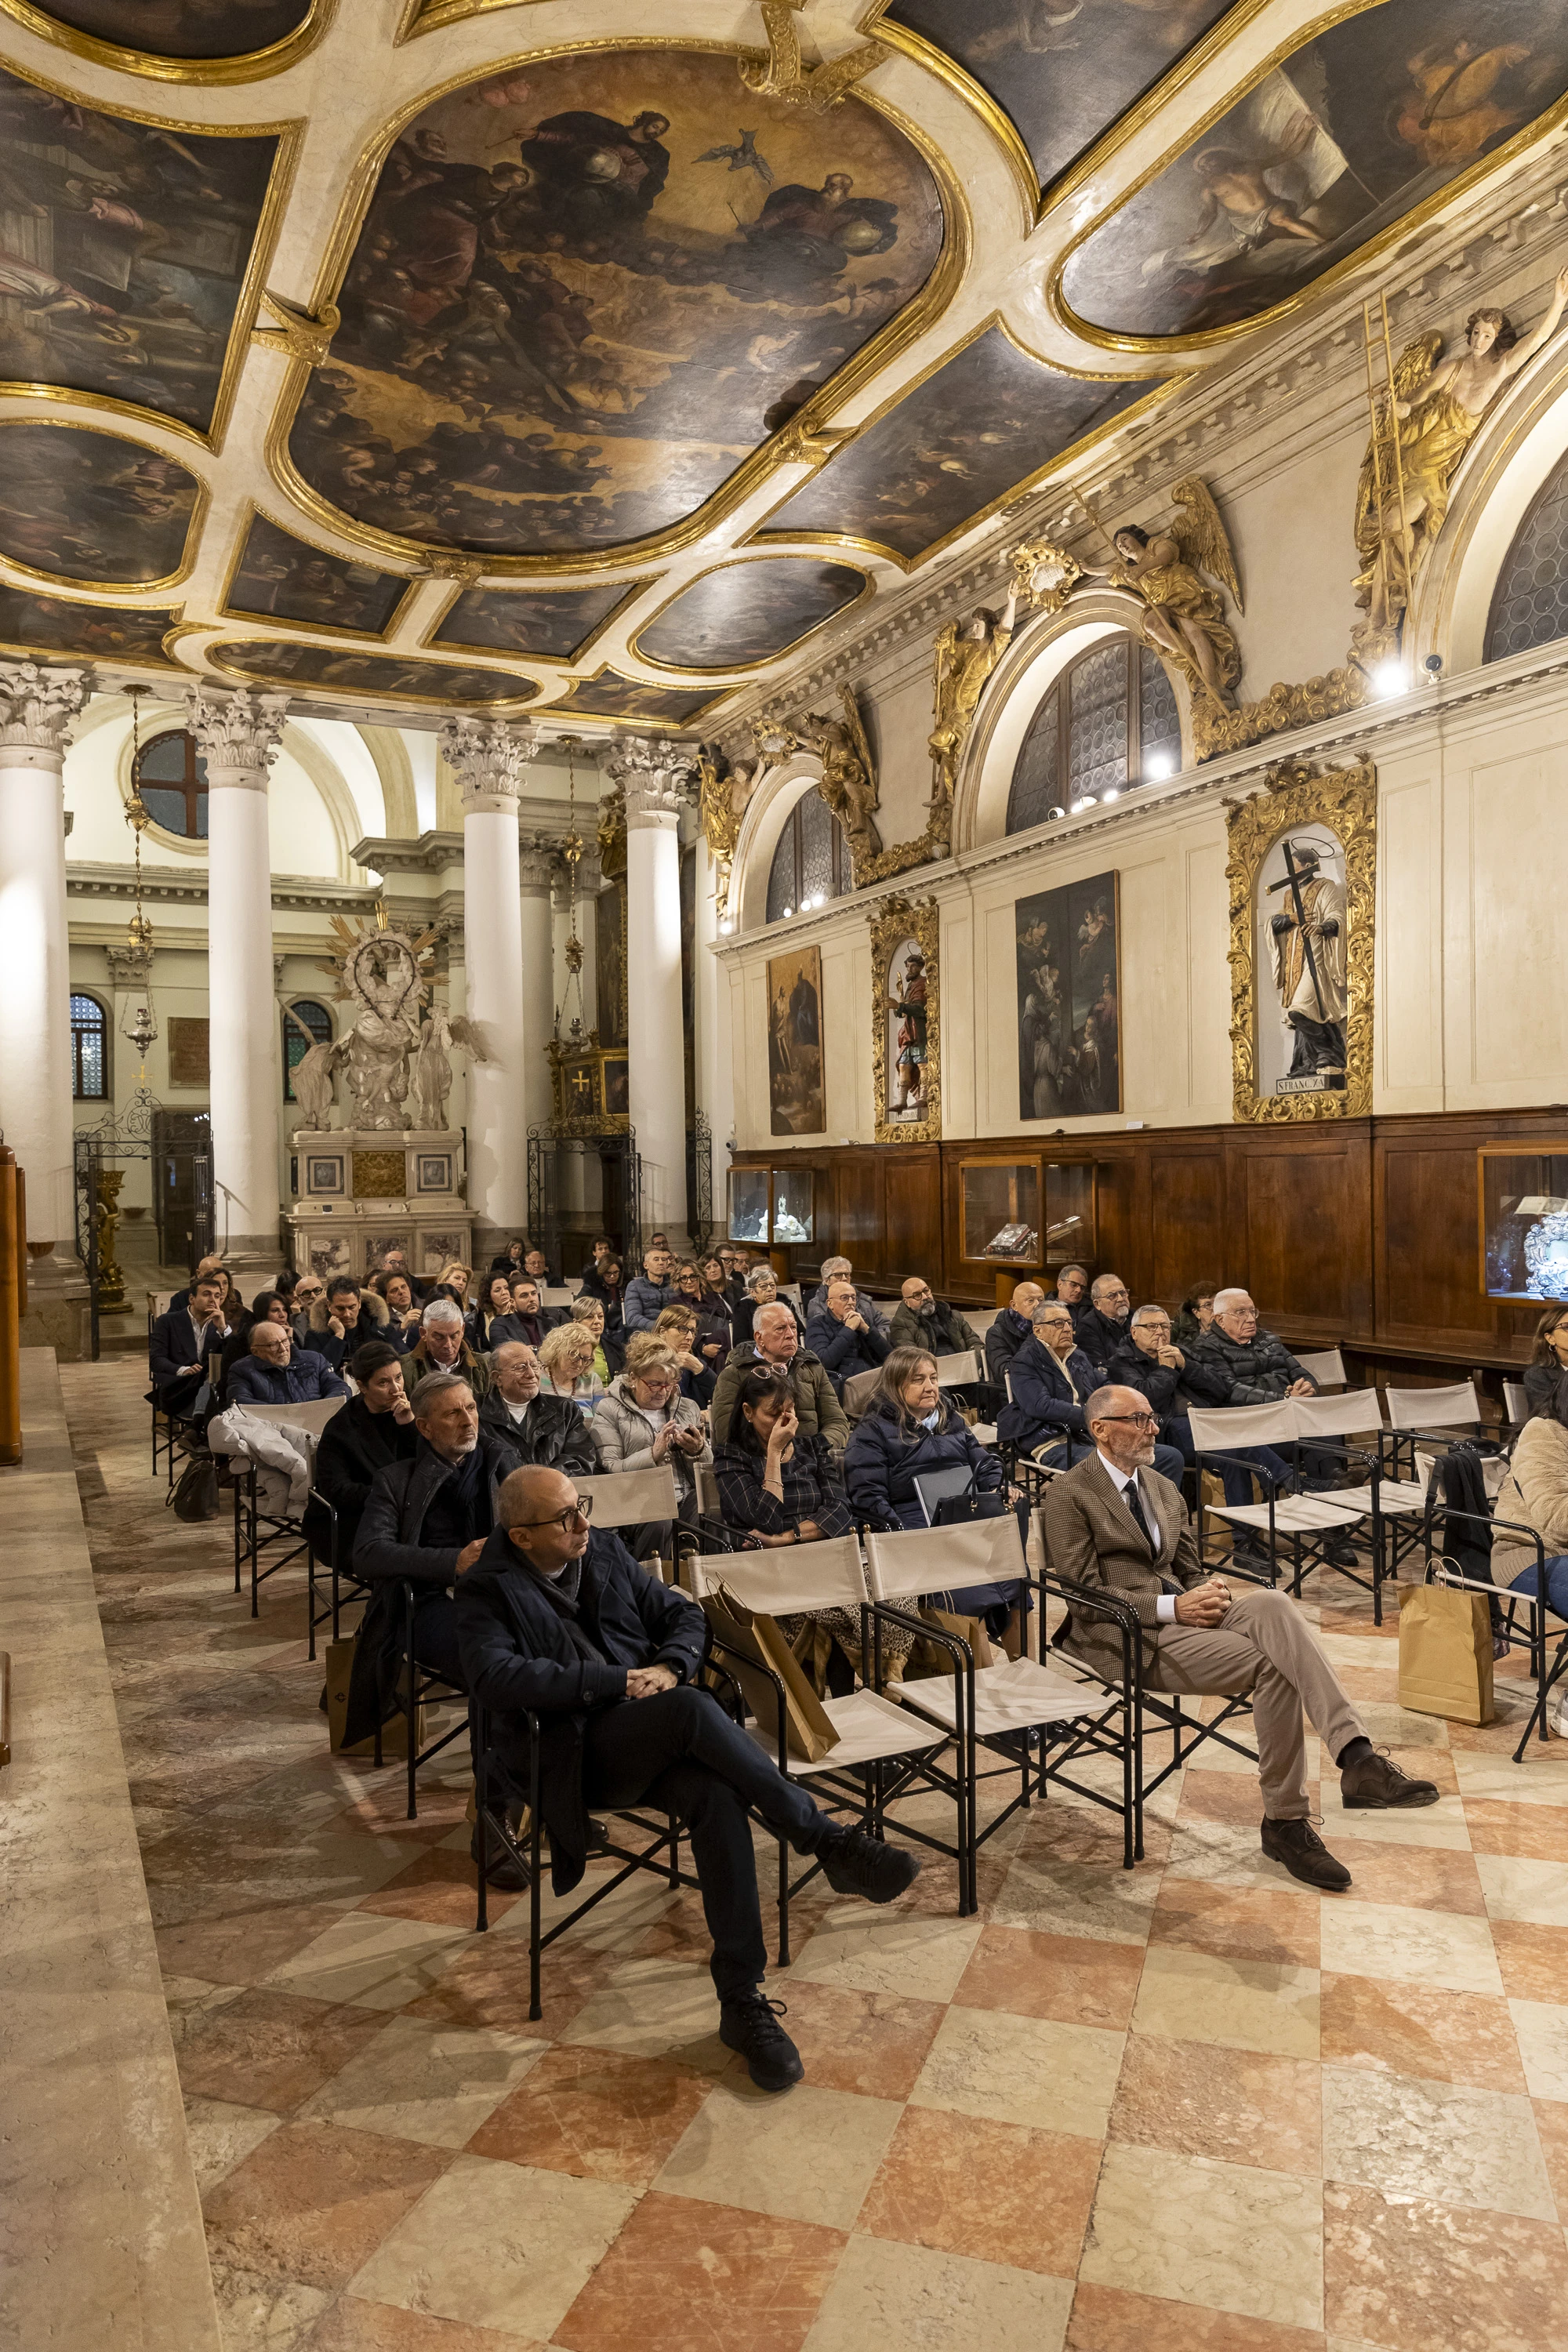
(1020, 1216)
(1523, 1211)
(771, 1209)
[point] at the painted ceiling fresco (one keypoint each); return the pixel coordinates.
(972, 432)
(91, 507)
(556, 624)
(183, 28)
(50, 625)
(611, 696)
(123, 250)
(1347, 137)
(280, 577)
(1062, 69)
(281, 664)
(579, 295)
(748, 613)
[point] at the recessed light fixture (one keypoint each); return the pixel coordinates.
(1390, 678)
(1158, 766)
(1108, 797)
(1087, 802)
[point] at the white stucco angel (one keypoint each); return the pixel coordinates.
(430, 1075)
(313, 1074)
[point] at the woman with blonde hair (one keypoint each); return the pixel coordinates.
(609, 1347)
(643, 1422)
(567, 1366)
(677, 1326)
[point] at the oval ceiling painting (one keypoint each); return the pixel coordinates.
(379, 675)
(183, 28)
(89, 505)
(748, 613)
(586, 290)
(1353, 132)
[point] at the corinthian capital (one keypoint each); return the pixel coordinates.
(238, 735)
(654, 776)
(488, 756)
(36, 705)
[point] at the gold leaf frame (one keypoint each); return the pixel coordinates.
(892, 922)
(1346, 801)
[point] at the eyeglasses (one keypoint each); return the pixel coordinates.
(577, 1514)
(1133, 1420)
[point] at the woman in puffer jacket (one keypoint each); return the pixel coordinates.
(908, 1429)
(642, 1422)
(1535, 1495)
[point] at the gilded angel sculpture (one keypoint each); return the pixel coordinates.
(1184, 619)
(966, 654)
(848, 776)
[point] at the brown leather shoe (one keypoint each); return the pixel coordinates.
(1297, 1845)
(1374, 1782)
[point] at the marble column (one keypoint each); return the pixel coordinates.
(652, 775)
(238, 737)
(486, 756)
(536, 874)
(35, 706)
(715, 1064)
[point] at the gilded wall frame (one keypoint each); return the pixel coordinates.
(1297, 796)
(895, 921)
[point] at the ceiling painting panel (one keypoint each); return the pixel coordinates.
(587, 290)
(80, 505)
(282, 578)
(387, 677)
(1339, 142)
(984, 422)
(748, 613)
(1063, 71)
(39, 625)
(189, 29)
(124, 249)
(549, 624)
(613, 697)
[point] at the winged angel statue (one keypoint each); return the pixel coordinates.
(848, 775)
(396, 1047)
(1184, 617)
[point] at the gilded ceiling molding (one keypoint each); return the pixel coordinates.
(741, 671)
(196, 73)
(249, 514)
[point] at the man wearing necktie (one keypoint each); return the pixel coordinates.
(1112, 1522)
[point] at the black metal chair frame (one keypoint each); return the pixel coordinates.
(1441, 1441)
(249, 1520)
(340, 1576)
(415, 1685)
(1538, 1607)
(1308, 1545)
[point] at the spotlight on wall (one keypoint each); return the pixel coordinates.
(1108, 797)
(1054, 815)
(1390, 678)
(1433, 666)
(1078, 806)
(1157, 767)
(726, 926)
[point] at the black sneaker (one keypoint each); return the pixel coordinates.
(749, 2023)
(1297, 1845)
(1375, 1783)
(854, 1864)
(506, 1875)
(1341, 1553)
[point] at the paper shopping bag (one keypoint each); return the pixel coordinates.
(935, 1658)
(756, 1647)
(393, 1731)
(1446, 1653)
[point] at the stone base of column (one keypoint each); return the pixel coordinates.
(59, 1308)
(491, 1241)
(253, 1259)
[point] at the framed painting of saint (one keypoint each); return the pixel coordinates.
(795, 1096)
(905, 1020)
(1069, 943)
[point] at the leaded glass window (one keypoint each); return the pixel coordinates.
(171, 775)
(319, 1022)
(1530, 602)
(811, 864)
(90, 1050)
(1110, 720)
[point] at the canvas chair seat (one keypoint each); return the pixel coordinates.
(961, 1370)
(1010, 1696)
(630, 1499)
(872, 1730)
(1295, 1515)
(1396, 1497)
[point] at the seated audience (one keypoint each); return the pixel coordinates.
(715, 1337)
(285, 1282)
(526, 1320)
(1101, 1326)
(307, 1289)
(494, 1306)
(610, 1346)
(345, 1319)
(717, 1300)
(923, 1320)
(647, 1294)
(1249, 1365)
(602, 1248)
(761, 1290)
(567, 1365)
(212, 1265)
(564, 1622)
(443, 1347)
(839, 1269)
(274, 1372)
(182, 1341)
(396, 1261)
(536, 1263)
(510, 1262)
(1195, 1314)
(1051, 1377)
(372, 1429)
(776, 1342)
(842, 1338)
(1149, 1362)
(266, 1306)
(1072, 1286)
(778, 1488)
(425, 1523)
(535, 1419)
(908, 1430)
(644, 1422)
(1535, 1495)
(733, 1262)
(1548, 1360)
(403, 1311)
(676, 1326)
(458, 1279)
(1010, 1329)
(1112, 1522)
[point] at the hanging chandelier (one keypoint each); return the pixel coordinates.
(138, 1021)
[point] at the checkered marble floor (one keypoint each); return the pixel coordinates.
(1191, 2105)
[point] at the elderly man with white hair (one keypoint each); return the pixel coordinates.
(443, 1347)
(839, 1269)
(1246, 1365)
(776, 1340)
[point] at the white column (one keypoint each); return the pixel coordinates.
(486, 756)
(238, 738)
(36, 706)
(715, 1067)
(651, 774)
(536, 873)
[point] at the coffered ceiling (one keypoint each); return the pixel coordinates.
(512, 355)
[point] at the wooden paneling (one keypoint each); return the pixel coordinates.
(858, 1224)
(913, 1208)
(1301, 1233)
(1186, 1220)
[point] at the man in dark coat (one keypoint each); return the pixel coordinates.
(529, 1320)
(181, 1343)
(1052, 1380)
(1009, 1331)
(275, 1373)
(565, 1625)
(842, 1339)
(1101, 1324)
(923, 1320)
(549, 1430)
(1245, 1364)
(373, 1428)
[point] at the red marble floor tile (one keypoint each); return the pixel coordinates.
(1238, 1922)
(313, 2203)
(270, 2048)
(1420, 1877)
(354, 2326)
(437, 1886)
(687, 2276)
(1422, 2030)
(1071, 1978)
(999, 2192)
(1197, 2099)
(1533, 1960)
(1538, 1832)
(1552, 2123)
(239, 1943)
(598, 2113)
(1111, 2320)
(487, 1985)
(874, 2043)
(1230, 1797)
(1416, 2277)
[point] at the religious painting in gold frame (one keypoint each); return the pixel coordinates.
(906, 1021)
(1302, 873)
(795, 1096)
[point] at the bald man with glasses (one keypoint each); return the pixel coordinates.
(557, 1618)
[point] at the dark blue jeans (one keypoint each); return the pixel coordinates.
(1236, 1482)
(1556, 1584)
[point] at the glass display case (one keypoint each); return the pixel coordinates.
(1523, 1221)
(1070, 1207)
(999, 1212)
(773, 1207)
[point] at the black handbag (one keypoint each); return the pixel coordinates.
(195, 1496)
(957, 1510)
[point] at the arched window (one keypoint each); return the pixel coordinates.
(172, 777)
(1110, 720)
(811, 864)
(319, 1022)
(1530, 602)
(90, 1050)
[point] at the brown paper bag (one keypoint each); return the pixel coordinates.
(752, 1642)
(339, 1665)
(935, 1659)
(1446, 1653)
